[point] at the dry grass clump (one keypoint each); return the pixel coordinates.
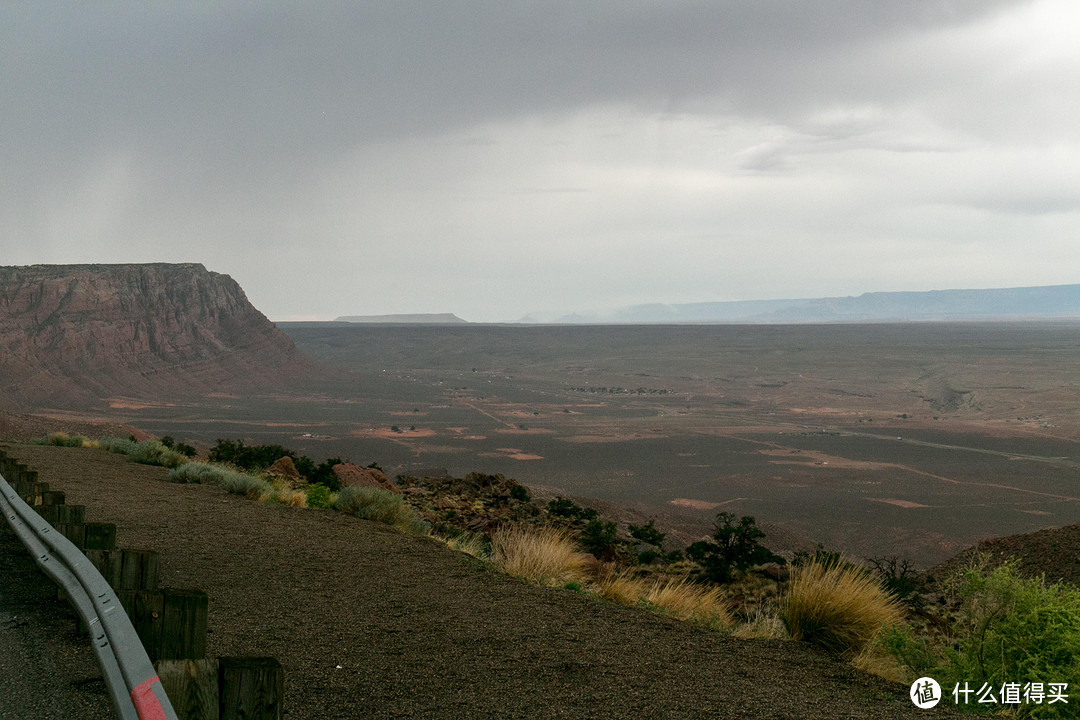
(474, 544)
(622, 588)
(837, 606)
(544, 555)
(691, 602)
(765, 624)
(681, 599)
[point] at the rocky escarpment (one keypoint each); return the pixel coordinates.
(74, 334)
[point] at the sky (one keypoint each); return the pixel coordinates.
(498, 159)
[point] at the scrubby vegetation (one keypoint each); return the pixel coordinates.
(1004, 629)
(371, 503)
(837, 606)
(254, 458)
(735, 546)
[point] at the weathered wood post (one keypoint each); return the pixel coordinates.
(127, 569)
(192, 687)
(170, 623)
(251, 688)
(100, 536)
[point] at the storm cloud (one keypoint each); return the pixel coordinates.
(494, 159)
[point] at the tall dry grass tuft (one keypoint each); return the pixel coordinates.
(837, 606)
(691, 602)
(622, 588)
(543, 555)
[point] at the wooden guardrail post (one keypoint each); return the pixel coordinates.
(192, 687)
(170, 623)
(127, 569)
(251, 688)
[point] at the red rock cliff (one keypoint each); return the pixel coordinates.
(73, 334)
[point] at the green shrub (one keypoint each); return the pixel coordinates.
(319, 496)
(122, 446)
(520, 493)
(197, 472)
(567, 508)
(1008, 629)
(249, 486)
(153, 452)
(62, 439)
(185, 450)
(382, 506)
(599, 538)
(231, 481)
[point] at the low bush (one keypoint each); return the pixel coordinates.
(122, 446)
(153, 452)
(249, 486)
(543, 555)
(231, 481)
(1008, 629)
(197, 472)
(382, 506)
(62, 439)
(319, 496)
(837, 606)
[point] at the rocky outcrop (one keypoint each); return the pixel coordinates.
(74, 334)
(349, 474)
(285, 468)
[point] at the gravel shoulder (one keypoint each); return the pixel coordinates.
(371, 623)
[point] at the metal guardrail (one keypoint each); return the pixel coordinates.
(133, 684)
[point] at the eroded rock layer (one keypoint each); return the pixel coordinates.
(71, 335)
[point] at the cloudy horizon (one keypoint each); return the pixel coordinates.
(501, 159)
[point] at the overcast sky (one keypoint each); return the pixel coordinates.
(498, 158)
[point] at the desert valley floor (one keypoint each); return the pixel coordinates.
(915, 440)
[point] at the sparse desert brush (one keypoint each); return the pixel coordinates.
(876, 661)
(764, 624)
(197, 472)
(691, 602)
(623, 588)
(249, 486)
(837, 606)
(122, 446)
(290, 497)
(231, 481)
(544, 555)
(475, 544)
(62, 439)
(382, 506)
(153, 452)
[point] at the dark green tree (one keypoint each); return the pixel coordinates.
(735, 546)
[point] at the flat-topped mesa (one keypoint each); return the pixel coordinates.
(74, 334)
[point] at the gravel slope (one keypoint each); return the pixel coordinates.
(370, 623)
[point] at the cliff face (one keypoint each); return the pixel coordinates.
(73, 334)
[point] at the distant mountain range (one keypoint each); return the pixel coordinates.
(1045, 302)
(414, 319)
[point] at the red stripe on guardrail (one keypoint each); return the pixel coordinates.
(146, 703)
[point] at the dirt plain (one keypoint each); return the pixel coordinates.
(915, 440)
